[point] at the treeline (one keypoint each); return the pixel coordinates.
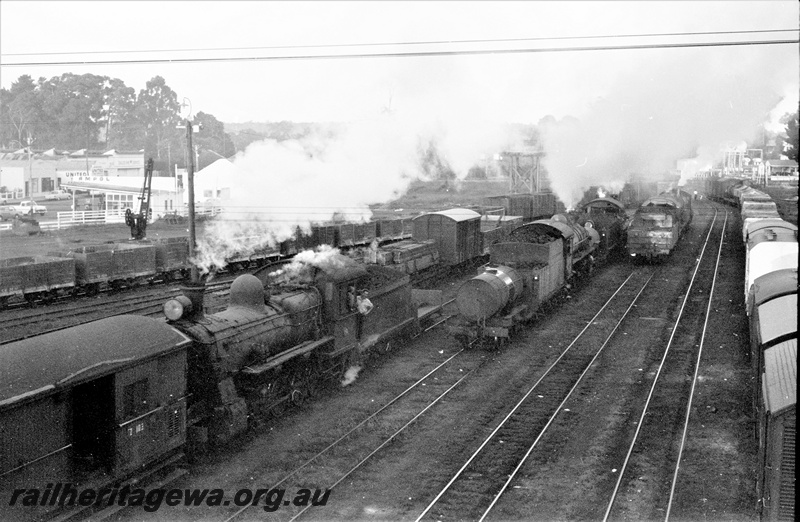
(87, 111)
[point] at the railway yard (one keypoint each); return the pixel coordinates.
(581, 415)
(572, 388)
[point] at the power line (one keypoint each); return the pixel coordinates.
(402, 54)
(431, 42)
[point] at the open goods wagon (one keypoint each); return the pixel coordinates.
(35, 277)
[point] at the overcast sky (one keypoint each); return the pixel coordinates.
(517, 87)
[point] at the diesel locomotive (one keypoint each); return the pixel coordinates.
(658, 225)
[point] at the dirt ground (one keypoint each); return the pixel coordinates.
(562, 482)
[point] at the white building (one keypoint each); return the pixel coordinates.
(117, 179)
(214, 182)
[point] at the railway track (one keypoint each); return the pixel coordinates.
(650, 458)
(20, 324)
(473, 490)
(628, 465)
(366, 439)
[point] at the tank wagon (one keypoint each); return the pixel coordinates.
(523, 273)
(658, 225)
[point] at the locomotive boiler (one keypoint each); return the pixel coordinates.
(524, 272)
(273, 348)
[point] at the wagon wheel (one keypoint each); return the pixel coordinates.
(49, 296)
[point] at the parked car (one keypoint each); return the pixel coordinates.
(58, 194)
(7, 212)
(30, 207)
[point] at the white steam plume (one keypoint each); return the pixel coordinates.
(687, 102)
(280, 186)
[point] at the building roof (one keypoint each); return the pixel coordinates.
(782, 163)
(780, 377)
(45, 363)
(456, 214)
(88, 185)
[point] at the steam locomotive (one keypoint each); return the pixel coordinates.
(528, 268)
(127, 395)
(103, 402)
(658, 225)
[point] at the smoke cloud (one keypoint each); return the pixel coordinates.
(333, 174)
(686, 104)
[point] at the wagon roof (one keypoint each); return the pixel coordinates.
(663, 199)
(769, 223)
(605, 202)
(456, 214)
(59, 359)
(780, 376)
(774, 284)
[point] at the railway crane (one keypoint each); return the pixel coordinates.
(138, 222)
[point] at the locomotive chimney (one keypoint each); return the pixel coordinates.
(195, 293)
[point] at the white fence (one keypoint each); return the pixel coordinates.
(100, 217)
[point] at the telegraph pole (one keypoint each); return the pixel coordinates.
(195, 277)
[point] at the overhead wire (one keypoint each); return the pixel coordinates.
(404, 54)
(429, 42)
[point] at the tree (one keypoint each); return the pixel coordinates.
(212, 138)
(21, 110)
(122, 129)
(790, 144)
(72, 107)
(158, 114)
